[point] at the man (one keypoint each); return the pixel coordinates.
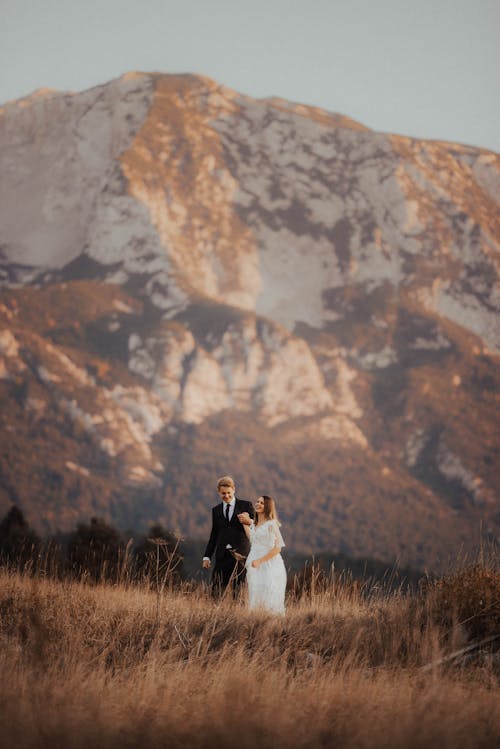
(227, 535)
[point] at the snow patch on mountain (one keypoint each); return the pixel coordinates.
(373, 360)
(453, 469)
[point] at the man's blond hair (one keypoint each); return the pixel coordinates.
(225, 481)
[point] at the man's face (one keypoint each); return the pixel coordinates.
(226, 493)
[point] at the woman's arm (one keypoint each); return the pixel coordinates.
(277, 538)
(246, 522)
(270, 554)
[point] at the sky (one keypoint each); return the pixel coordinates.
(425, 68)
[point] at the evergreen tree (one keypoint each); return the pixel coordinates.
(96, 551)
(19, 544)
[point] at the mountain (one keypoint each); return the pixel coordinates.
(194, 282)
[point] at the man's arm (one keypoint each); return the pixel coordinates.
(246, 528)
(211, 543)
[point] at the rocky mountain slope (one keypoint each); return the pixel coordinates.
(195, 282)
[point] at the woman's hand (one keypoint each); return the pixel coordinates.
(256, 563)
(244, 518)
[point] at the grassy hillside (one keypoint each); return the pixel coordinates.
(112, 666)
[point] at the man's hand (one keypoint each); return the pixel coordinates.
(206, 564)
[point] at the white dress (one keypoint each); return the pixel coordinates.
(266, 583)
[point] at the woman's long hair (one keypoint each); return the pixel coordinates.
(270, 512)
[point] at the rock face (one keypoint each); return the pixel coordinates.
(254, 287)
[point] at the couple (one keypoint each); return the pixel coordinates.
(247, 544)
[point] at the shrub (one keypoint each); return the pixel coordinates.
(158, 559)
(469, 597)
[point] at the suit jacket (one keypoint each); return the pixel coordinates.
(232, 532)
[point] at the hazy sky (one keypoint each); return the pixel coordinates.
(428, 68)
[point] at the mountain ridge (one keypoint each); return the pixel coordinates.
(254, 263)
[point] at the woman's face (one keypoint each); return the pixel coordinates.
(259, 506)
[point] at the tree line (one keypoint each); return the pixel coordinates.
(94, 551)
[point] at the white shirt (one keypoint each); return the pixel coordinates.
(231, 507)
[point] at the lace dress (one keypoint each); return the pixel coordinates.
(266, 583)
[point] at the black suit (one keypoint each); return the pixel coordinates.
(226, 533)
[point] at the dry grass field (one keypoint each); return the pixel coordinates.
(124, 666)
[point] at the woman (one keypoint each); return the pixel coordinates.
(266, 574)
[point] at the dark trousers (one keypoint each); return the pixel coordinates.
(227, 571)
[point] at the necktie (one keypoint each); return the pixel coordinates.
(227, 513)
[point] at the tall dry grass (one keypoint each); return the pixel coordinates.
(121, 666)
